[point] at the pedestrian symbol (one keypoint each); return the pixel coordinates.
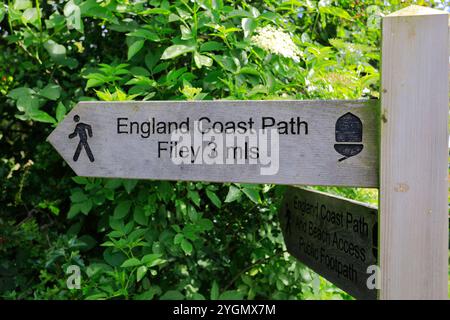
(82, 130)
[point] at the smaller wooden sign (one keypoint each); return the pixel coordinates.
(335, 237)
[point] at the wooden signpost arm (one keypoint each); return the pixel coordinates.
(414, 155)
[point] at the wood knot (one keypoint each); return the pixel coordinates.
(401, 187)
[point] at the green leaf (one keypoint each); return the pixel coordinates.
(193, 214)
(239, 13)
(151, 59)
(214, 198)
(97, 296)
(113, 183)
(156, 262)
(78, 196)
(161, 67)
(122, 209)
(155, 11)
(22, 4)
(227, 62)
(149, 294)
(186, 33)
(178, 237)
(115, 259)
(55, 21)
(248, 25)
(140, 272)
(283, 278)
(139, 216)
(28, 104)
(214, 291)
(80, 180)
(195, 197)
(75, 209)
(57, 52)
(42, 116)
(233, 194)
(176, 50)
(139, 71)
(231, 295)
(60, 111)
(165, 191)
(205, 224)
(172, 295)
(252, 194)
(335, 11)
(20, 92)
(186, 246)
(132, 262)
(249, 70)
(94, 83)
(136, 234)
(129, 184)
(86, 206)
(135, 48)
(211, 46)
(144, 33)
(150, 259)
(113, 234)
(72, 13)
(87, 242)
(30, 15)
(201, 60)
(197, 296)
(51, 91)
(92, 8)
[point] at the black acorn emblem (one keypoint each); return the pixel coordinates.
(349, 135)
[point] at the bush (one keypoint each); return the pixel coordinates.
(158, 239)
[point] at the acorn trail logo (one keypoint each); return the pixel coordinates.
(348, 132)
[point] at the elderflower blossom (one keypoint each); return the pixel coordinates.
(276, 41)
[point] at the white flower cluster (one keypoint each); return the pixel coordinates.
(276, 41)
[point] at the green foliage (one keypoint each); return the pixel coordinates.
(149, 239)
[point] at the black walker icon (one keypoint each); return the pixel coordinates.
(82, 130)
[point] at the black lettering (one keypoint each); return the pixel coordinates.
(145, 129)
(200, 124)
(121, 125)
(268, 122)
(160, 148)
(300, 124)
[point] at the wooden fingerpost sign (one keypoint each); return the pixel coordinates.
(335, 237)
(413, 216)
(316, 142)
(414, 155)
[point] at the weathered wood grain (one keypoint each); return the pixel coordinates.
(308, 159)
(414, 163)
(335, 237)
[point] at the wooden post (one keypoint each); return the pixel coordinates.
(413, 181)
